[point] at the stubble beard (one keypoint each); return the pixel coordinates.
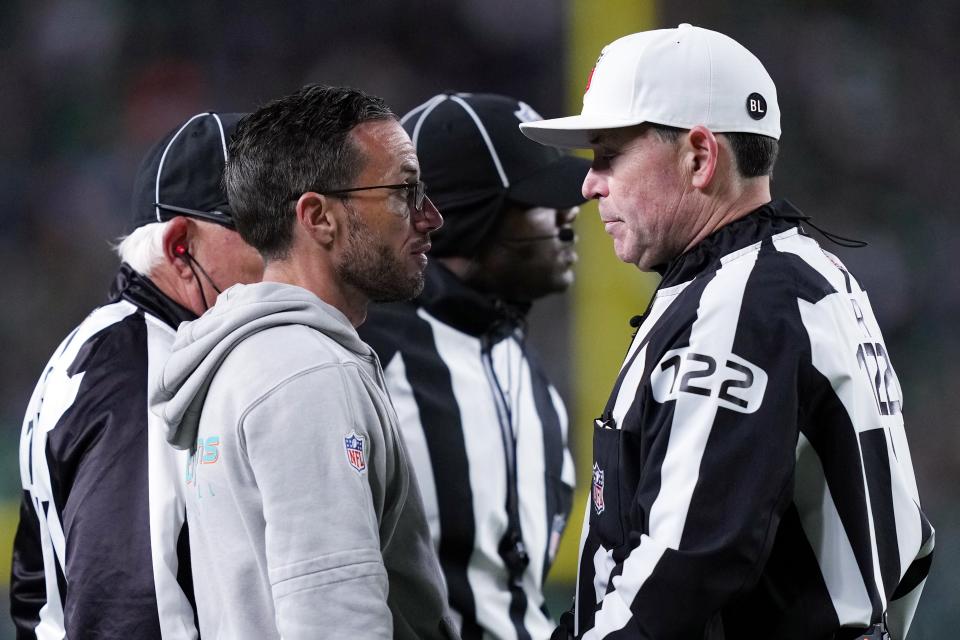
(370, 266)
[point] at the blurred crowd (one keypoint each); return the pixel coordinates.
(868, 92)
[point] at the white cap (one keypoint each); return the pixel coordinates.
(679, 77)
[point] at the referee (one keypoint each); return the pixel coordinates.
(751, 474)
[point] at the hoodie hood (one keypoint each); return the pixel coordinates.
(201, 346)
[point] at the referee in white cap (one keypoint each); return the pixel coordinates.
(751, 473)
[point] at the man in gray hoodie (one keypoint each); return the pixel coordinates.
(305, 518)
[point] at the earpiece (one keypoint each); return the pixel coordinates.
(180, 251)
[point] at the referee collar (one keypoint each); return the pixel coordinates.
(140, 291)
(767, 220)
(448, 299)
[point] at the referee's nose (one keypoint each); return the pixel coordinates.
(594, 186)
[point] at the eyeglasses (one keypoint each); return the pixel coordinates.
(416, 192)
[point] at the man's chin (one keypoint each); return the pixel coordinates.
(407, 291)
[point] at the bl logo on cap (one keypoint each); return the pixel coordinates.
(756, 106)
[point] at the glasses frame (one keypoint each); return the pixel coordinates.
(416, 192)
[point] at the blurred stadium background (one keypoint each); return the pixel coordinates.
(868, 92)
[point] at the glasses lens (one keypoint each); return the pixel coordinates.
(419, 192)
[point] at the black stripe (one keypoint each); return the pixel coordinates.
(791, 601)
(185, 571)
(811, 286)
(833, 437)
(873, 445)
(518, 608)
(432, 387)
(916, 573)
(586, 607)
(57, 562)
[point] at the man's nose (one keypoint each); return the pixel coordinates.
(593, 186)
(429, 219)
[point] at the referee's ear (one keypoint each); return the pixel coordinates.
(701, 154)
(177, 234)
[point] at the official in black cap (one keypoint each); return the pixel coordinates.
(486, 430)
(102, 547)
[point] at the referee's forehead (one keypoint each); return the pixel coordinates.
(617, 137)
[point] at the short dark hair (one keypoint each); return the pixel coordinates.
(289, 146)
(755, 154)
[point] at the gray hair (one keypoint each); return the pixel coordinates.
(142, 249)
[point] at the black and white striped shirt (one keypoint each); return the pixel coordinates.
(479, 417)
(101, 548)
(751, 471)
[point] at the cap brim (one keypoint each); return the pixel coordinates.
(557, 186)
(573, 132)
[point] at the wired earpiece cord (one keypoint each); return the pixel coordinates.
(182, 252)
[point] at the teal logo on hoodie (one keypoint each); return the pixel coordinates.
(207, 451)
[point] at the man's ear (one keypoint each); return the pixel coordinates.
(318, 217)
(176, 242)
(704, 153)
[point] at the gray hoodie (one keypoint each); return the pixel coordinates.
(305, 518)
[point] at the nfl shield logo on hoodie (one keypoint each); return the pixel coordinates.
(354, 445)
(598, 488)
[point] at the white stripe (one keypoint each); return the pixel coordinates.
(428, 106)
(481, 439)
(584, 531)
(713, 332)
(223, 136)
(833, 346)
(661, 303)
(167, 504)
(486, 138)
(826, 535)
(513, 372)
(603, 565)
(411, 427)
(615, 612)
(420, 107)
(163, 158)
(627, 393)
(568, 474)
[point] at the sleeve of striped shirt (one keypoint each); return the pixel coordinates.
(719, 469)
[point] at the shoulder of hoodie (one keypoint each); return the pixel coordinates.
(281, 352)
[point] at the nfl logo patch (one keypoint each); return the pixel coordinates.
(598, 488)
(354, 445)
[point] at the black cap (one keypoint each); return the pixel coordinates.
(474, 160)
(182, 175)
